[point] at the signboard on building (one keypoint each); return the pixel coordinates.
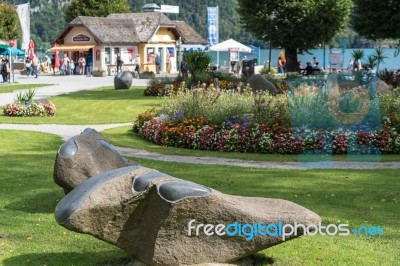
(234, 54)
(81, 38)
(169, 9)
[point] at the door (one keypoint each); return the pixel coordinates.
(161, 54)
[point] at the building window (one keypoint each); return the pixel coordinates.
(107, 55)
(150, 55)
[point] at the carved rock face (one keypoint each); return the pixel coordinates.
(147, 214)
(84, 156)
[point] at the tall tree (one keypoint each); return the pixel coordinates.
(97, 8)
(298, 25)
(9, 22)
(376, 19)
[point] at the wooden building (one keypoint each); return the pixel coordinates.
(127, 34)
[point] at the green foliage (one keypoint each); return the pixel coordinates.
(379, 56)
(371, 62)
(9, 22)
(95, 8)
(357, 54)
(298, 25)
(376, 19)
(26, 96)
(197, 61)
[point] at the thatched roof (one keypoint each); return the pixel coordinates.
(188, 34)
(145, 23)
(109, 31)
(131, 28)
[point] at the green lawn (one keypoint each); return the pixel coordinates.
(13, 87)
(29, 234)
(124, 137)
(100, 106)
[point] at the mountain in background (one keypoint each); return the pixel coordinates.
(47, 20)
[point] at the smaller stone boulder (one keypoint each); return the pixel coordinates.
(123, 80)
(147, 75)
(260, 83)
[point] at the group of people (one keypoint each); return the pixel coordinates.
(32, 65)
(311, 67)
(70, 67)
(136, 61)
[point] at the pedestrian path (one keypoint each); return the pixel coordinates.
(68, 84)
(67, 131)
(62, 85)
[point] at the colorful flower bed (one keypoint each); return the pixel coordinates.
(25, 109)
(362, 122)
(262, 138)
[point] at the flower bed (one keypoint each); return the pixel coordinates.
(25, 109)
(348, 119)
(262, 138)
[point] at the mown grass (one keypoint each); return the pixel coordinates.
(356, 197)
(29, 234)
(13, 87)
(125, 137)
(100, 106)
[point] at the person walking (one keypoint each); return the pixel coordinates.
(280, 65)
(53, 64)
(119, 63)
(89, 63)
(5, 70)
(71, 67)
(82, 64)
(137, 65)
(28, 67)
(64, 65)
(157, 61)
(35, 64)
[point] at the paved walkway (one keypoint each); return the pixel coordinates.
(62, 85)
(67, 131)
(68, 84)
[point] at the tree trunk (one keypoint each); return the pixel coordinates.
(291, 60)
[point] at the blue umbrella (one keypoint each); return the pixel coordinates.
(13, 51)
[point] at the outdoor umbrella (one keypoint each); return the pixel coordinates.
(12, 51)
(229, 44)
(31, 49)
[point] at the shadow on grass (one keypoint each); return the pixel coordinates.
(44, 202)
(87, 259)
(73, 258)
(108, 93)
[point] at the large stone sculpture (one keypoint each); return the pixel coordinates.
(162, 220)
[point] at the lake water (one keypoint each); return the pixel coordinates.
(391, 62)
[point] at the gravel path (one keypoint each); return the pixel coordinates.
(67, 131)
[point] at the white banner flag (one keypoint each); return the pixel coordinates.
(24, 20)
(213, 27)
